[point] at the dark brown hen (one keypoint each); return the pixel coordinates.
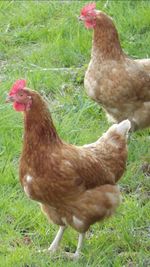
(75, 185)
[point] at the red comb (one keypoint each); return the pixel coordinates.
(87, 8)
(19, 84)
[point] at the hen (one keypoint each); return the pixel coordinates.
(120, 84)
(75, 185)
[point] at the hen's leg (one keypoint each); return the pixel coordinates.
(76, 255)
(54, 246)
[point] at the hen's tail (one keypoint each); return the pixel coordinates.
(121, 129)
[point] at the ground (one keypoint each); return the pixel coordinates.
(43, 42)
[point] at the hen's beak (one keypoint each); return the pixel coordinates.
(9, 99)
(81, 18)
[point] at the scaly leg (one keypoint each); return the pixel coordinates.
(76, 255)
(54, 246)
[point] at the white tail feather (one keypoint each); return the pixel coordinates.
(123, 127)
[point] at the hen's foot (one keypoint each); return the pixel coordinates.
(55, 244)
(77, 254)
(73, 256)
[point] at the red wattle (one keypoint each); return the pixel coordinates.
(90, 25)
(19, 106)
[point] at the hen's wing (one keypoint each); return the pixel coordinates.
(119, 84)
(84, 165)
(138, 80)
(103, 162)
(96, 164)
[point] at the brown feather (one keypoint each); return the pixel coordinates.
(70, 180)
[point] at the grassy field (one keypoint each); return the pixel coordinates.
(38, 39)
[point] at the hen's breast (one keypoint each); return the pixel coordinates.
(92, 81)
(103, 81)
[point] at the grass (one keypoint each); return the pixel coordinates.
(37, 37)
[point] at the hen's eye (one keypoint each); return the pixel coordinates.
(20, 94)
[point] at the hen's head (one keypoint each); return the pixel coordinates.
(20, 96)
(92, 17)
(88, 15)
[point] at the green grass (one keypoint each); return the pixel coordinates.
(35, 38)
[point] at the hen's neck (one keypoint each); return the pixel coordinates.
(39, 130)
(106, 44)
